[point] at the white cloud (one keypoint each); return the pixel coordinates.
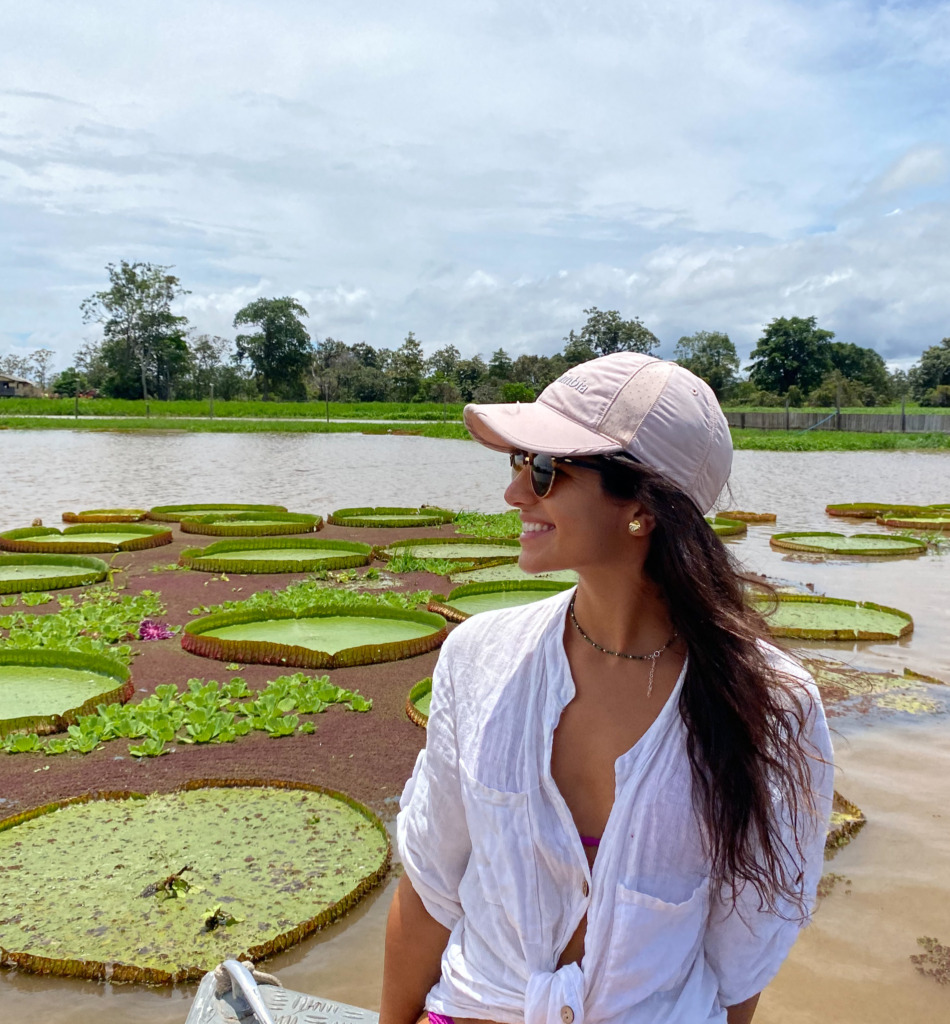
(481, 173)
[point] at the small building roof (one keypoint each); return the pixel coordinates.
(10, 379)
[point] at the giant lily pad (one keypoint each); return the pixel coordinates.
(748, 517)
(386, 516)
(252, 524)
(724, 527)
(456, 549)
(159, 889)
(19, 573)
(317, 637)
(86, 538)
(915, 522)
(511, 571)
(809, 617)
(876, 545)
(472, 598)
(44, 690)
(106, 515)
(276, 554)
(417, 704)
(847, 688)
(873, 509)
(846, 821)
(175, 513)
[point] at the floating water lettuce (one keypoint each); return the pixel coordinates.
(160, 889)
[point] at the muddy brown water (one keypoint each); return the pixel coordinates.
(852, 963)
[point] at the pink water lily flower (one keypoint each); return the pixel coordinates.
(152, 630)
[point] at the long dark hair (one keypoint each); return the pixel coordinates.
(744, 719)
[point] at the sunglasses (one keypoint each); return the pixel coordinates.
(543, 469)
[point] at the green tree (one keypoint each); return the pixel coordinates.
(471, 374)
(280, 352)
(41, 363)
(932, 372)
(500, 366)
(135, 314)
(792, 350)
(15, 366)
(444, 361)
(69, 383)
(862, 366)
(536, 372)
(712, 356)
(406, 369)
(607, 332)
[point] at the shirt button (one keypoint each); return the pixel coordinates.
(567, 1015)
(585, 889)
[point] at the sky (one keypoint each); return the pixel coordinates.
(479, 173)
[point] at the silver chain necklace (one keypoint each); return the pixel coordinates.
(651, 658)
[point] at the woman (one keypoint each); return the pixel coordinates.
(620, 812)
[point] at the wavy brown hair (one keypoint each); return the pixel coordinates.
(744, 719)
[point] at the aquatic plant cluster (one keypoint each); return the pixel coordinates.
(204, 712)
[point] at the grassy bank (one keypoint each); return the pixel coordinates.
(119, 407)
(761, 440)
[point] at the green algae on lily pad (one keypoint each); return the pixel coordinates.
(46, 690)
(386, 516)
(161, 888)
(276, 554)
(511, 571)
(473, 598)
(809, 617)
(20, 573)
(252, 524)
(418, 702)
(106, 515)
(317, 637)
(724, 527)
(86, 538)
(874, 545)
(456, 549)
(847, 820)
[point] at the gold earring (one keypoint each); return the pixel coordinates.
(634, 525)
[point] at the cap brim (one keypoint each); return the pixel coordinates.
(533, 427)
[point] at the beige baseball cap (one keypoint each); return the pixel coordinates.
(656, 411)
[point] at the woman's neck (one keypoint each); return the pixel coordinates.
(622, 611)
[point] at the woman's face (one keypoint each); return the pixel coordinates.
(577, 526)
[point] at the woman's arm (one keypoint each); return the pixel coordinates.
(742, 1013)
(415, 942)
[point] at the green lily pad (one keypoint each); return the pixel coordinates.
(748, 517)
(456, 549)
(276, 554)
(724, 527)
(473, 598)
(106, 515)
(417, 704)
(20, 573)
(847, 820)
(252, 524)
(870, 544)
(904, 522)
(44, 690)
(390, 516)
(873, 509)
(511, 571)
(160, 889)
(841, 684)
(175, 513)
(809, 617)
(316, 637)
(86, 538)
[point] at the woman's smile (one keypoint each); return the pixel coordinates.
(531, 529)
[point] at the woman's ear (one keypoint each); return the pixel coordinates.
(640, 521)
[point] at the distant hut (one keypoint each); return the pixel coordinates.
(18, 387)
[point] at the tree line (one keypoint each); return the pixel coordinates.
(146, 350)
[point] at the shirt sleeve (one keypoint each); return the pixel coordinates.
(745, 945)
(431, 829)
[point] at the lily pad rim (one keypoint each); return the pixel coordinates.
(92, 567)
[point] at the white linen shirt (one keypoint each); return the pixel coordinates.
(491, 848)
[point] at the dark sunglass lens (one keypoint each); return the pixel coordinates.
(517, 460)
(542, 474)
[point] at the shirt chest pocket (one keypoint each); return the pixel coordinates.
(499, 824)
(654, 943)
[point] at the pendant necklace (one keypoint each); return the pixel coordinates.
(651, 658)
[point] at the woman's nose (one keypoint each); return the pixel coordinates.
(519, 492)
